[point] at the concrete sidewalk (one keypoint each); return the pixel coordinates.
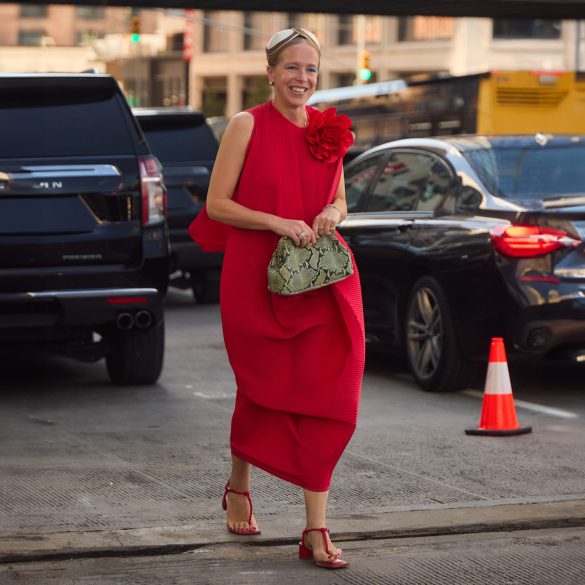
(275, 532)
(89, 469)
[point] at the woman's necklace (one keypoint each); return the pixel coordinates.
(304, 123)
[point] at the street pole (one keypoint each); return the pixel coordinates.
(138, 61)
(361, 45)
(577, 46)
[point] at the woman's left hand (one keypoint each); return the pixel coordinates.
(326, 221)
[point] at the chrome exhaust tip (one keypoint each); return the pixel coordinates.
(143, 319)
(125, 321)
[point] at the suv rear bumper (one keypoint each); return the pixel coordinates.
(56, 312)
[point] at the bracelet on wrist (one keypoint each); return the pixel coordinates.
(336, 208)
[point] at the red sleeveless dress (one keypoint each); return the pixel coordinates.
(298, 360)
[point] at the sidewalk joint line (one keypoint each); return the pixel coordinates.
(417, 475)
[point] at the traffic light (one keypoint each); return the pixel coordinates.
(135, 29)
(365, 73)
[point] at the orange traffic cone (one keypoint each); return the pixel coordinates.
(498, 413)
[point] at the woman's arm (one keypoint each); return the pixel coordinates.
(333, 213)
(224, 178)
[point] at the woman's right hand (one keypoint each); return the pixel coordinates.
(297, 230)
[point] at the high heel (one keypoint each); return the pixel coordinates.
(306, 553)
(246, 531)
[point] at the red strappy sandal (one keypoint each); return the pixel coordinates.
(246, 531)
(306, 553)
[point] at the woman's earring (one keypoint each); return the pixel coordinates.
(271, 83)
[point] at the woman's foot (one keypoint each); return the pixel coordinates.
(320, 550)
(238, 505)
(314, 540)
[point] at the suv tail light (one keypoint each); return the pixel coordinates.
(154, 194)
(525, 241)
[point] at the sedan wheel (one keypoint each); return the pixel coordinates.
(425, 333)
(431, 340)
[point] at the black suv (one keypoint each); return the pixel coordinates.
(186, 146)
(84, 249)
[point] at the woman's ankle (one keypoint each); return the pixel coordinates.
(239, 484)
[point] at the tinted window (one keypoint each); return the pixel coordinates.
(50, 119)
(438, 185)
(358, 179)
(178, 140)
(404, 184)
(530, 171)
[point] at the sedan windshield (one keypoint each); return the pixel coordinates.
(530, 171)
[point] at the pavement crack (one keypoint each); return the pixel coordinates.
(413, 474)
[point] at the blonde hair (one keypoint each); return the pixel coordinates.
(272, 59)
(286, 38)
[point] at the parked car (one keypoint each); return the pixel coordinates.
(467, 237)
(186, 146)
(84, 249)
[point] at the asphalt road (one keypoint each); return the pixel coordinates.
(89, 470)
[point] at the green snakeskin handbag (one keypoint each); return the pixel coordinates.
(293, 269)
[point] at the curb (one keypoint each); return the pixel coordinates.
(391, 525)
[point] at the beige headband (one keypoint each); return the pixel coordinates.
(283, 38)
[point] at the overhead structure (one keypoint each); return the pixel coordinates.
(556, 9)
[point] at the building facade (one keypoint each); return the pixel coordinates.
(225, 70)
(61, 38)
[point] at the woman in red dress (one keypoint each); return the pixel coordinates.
(298, 360)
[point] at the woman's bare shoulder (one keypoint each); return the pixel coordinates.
(235, 140)
(241, 122)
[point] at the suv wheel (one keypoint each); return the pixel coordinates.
(205, 286)
(431, 340)
(136, 355)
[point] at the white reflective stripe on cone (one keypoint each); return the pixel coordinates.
(498, 379)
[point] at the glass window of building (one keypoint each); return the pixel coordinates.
(176, 42)
(425, 28)
(254, 37)
(342, 79)
(293, 19)
(255, 91)
(214, 96)
(31, 38)
(90, 12)
(215, 38)
(33, 11)
(526, 28)
(170, 84)
(345, 29)
(86, 37)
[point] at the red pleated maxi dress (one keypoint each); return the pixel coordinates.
(298, 360)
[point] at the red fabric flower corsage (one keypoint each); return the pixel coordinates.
(328, 135)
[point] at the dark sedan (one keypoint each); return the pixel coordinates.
(463, 238)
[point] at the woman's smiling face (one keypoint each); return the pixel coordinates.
(295, 74)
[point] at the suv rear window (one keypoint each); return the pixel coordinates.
(530, 171)
(179, 138)
(55, 117)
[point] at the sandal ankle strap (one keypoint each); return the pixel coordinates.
(323, 532)
(228, 489)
